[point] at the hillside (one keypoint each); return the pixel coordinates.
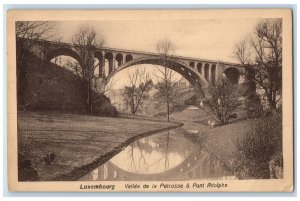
(49, 87)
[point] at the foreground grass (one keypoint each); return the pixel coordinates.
(54, 146)
(222, 142)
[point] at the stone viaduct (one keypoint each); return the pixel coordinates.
(199, 72)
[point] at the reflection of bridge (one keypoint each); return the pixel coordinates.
(199, 72)
(199, 165)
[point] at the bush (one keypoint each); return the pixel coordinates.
(259, 146)
(222, 101)
(253, 106)
(103, 107)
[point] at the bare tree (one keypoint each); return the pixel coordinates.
(165, 77)
(166, 87)
(85, 39)
(261, 55)
(135, 93)
(221, 101)
(27, 33)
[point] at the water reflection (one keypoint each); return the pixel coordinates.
(164, 156)
(154, 154)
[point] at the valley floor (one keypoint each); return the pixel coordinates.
(56, 146)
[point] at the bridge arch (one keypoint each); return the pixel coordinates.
(189, 73)
(64, 52)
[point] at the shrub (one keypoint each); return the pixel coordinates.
(253, 106)
(259, 146)
(103, 107)
(222, 101)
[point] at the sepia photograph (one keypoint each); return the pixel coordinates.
(150, 100)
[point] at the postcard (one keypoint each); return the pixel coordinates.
(150, 100)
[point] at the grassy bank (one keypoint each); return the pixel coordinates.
(55, 146)
(246, 146)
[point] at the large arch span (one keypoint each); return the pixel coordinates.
(190, 74)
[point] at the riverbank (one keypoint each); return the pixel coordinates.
(241, 145)
(55, 146)
(218, 141)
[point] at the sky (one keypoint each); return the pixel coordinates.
(200, 38)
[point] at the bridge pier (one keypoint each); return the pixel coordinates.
(213, 74)
(217, 72)
(102, 69)
(110, 66)
(101, 66)
(110, 59)
(209, 74)
(114, 61)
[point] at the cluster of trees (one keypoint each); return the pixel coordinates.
(261, 55)
(85, 39)
(136, 92)
(261, 147)
(150, 92)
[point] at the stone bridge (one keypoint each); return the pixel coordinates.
(199, 72)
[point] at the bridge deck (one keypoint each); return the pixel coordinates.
(66, 44)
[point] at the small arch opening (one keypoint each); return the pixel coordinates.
(192, 64)
(199, 68)
(128, 57)
(119, 59)
(108, 63)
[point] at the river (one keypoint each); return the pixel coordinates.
(163, 156)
